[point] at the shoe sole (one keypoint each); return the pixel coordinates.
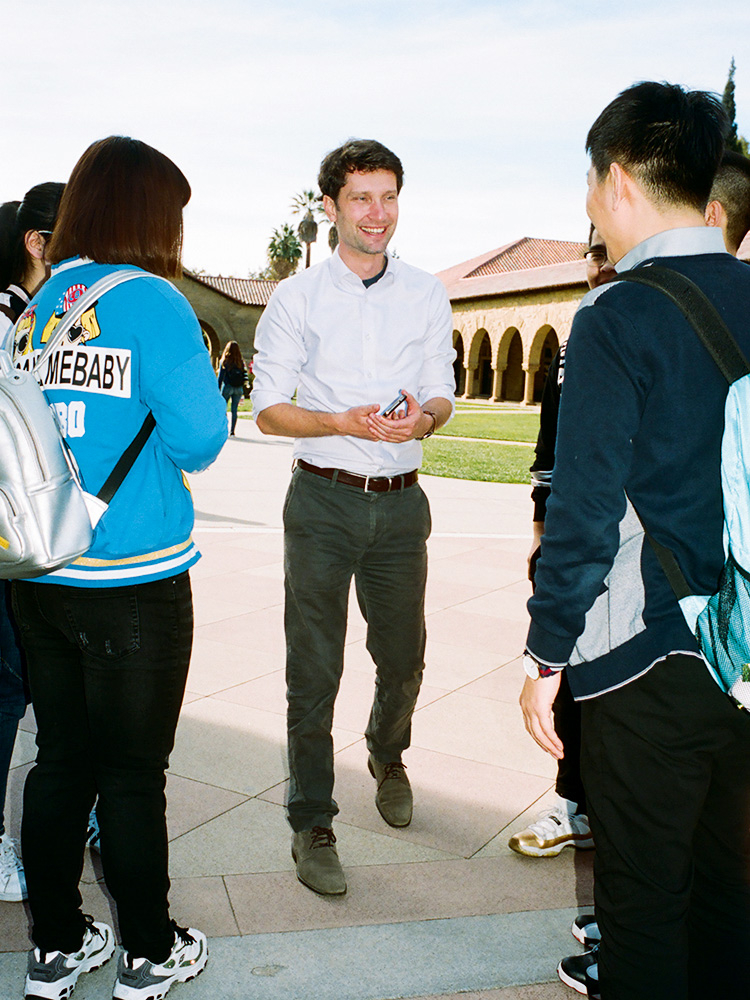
(396, 826)
(153, 992)
(569, 981)
(43, 991)
(320, 892)
(551, 852)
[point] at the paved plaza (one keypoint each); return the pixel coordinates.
(439, 909)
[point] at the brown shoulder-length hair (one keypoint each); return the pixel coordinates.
(123, 205)
(232, 356)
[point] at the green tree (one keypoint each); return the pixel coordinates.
(735, 141)
(308, 205)
(284, 252)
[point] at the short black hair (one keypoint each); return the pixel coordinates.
(37, 212)
(365, 155)
(670, 140)
(731, 188)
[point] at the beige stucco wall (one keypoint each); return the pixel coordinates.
(221, 318)
(532, 314)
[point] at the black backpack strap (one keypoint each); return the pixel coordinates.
(668, 563)
(127, 459)
(700, 312)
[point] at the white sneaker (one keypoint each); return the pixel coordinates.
(139, 979)
(53, 975)
(12, 878)
(558, 827)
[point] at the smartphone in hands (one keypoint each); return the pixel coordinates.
(393, 405)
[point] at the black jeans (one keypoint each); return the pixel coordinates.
(107, 669)
(331, 533)
(666, 764)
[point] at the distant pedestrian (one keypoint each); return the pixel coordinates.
(232, 378)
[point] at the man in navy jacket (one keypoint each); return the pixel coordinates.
(665, 755)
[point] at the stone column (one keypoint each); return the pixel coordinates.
(528, 387)
(471, 371)
(497, 383)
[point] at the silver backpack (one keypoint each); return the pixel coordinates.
(46, 517)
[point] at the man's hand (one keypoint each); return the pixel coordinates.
(399, 427)
(536, 704)
(356, 422)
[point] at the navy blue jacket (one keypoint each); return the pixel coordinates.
(641, 417)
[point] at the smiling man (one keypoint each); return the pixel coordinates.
(665, 754)
(349, 336)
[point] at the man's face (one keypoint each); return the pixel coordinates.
(365, 212)
(599, 269)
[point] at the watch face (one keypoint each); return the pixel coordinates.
(530, 666)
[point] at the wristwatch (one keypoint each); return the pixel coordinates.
(534, 670)
(432, 430)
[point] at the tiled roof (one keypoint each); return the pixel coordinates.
(247, 291)
(528, 252)
(744, 251)
(530, 279)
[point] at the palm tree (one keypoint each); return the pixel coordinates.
(307, 204)
(284, 252)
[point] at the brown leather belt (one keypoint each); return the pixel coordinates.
(370, 484)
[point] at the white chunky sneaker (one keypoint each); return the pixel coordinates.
(139, 979)
(12, 879)
(53, 975)
(554, 829)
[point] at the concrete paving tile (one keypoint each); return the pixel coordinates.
(444, 592)
(217, 665)
(229, 746)
(262, 631)
(192, 803)
(503, 603)
(202, 903)
(24, 749)
(399, 893)
(253, 837)
(537, 991)
(491, 732)
(14, 933)
(234, 747)
(502, 684)
(458, 804)
(470, 632)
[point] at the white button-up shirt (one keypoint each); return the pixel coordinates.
(339, 344)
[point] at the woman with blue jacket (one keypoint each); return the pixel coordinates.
(108, 637)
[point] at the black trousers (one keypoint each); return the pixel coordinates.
(566, 713)
(107, 669)
(666, 764)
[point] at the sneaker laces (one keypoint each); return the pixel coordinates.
(91, 926)
(394, 770)
(322, 836)
(183, 934)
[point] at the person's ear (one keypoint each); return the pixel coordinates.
(715, 214)
(329, 207)
(34, 244)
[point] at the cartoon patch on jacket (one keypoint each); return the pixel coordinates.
(87, 327)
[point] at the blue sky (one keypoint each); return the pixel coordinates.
(487, 104)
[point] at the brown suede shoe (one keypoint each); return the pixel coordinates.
(393, 797)
(318, 865)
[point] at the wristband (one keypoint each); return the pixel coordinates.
(432, 430)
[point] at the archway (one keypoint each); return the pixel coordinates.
(546, 352)
(513, 375)
(459, 372)
(211, 341)
(484, 378)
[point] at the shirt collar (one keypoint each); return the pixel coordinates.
(344, 277)
(685, 242)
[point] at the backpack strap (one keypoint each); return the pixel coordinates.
(714, 334)
(127, 460)
(700, 312)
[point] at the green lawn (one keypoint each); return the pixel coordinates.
(484, 461)
(495, 425)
